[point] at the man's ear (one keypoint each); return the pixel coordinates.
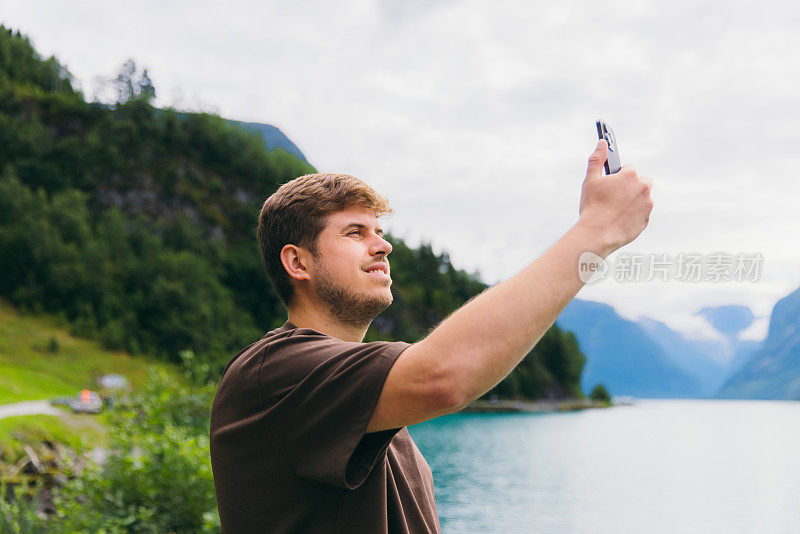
(295, 260)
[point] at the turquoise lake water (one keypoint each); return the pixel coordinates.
(674, 466)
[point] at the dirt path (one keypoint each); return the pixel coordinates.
(28, 408)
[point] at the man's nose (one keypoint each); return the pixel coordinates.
(380, 246)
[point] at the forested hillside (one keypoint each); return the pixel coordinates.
(137, 225)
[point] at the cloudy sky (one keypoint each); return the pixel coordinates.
(476, 118)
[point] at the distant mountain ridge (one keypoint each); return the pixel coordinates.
(773, 372)
(621, 355)
(647, 358)
(273, 137)
(711, 360)
(690, 355)
(729, 320)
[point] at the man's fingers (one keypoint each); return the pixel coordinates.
(596, 161)
(647, 180)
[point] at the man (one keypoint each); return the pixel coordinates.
(308, 424)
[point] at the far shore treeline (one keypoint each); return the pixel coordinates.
(137, 225)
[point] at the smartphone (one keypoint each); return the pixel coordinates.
(604, 131)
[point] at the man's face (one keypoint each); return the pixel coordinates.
(351, 269)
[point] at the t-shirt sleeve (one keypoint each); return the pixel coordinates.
(320, 393)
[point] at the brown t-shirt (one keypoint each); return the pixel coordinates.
(288, 444)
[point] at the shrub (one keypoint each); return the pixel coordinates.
(19, 513)
(151, 482)
(599, 394)
(157, 476)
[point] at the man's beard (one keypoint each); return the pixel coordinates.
(347, 307)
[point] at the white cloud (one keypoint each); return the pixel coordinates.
(756, 331)
(697, 327)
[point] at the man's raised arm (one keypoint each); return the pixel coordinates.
(481, 342)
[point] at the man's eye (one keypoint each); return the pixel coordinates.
(353, 232)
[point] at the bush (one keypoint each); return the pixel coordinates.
(50, 345)
(599, 394)
(157, 476)
(151, 482)
(166, 402)
(19, 513)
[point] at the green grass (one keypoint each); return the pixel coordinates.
(76, 431)
(29, 370)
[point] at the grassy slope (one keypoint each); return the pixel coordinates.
(76, 431)
(28, 371)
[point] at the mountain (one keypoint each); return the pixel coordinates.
(622, 356)
(709, 360)
(745, 350)
(689, 355)
(773, 372)
(273, 137)
(729, 320)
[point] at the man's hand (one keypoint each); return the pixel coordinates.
(616, 207)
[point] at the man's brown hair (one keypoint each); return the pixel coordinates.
(297, 212)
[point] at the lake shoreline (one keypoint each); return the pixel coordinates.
(526, 406)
